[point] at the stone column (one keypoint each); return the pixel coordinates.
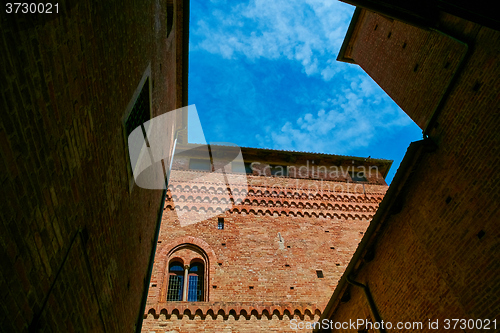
(185, 287)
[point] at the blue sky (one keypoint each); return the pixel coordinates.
(263, 74)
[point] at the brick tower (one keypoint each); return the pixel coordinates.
(251, 246)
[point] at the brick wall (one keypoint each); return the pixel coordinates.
(67, 79)
(437, 258)
(282, 231)
(423, 62)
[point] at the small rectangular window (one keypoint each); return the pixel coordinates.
(279, 170)
(140, 112)
(319, 273)
(137, 112)
(199, 164)
(170, 16)
(248, 168)
(358, 177)
(239, 167)
(220, 224)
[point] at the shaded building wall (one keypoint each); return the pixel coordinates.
(422, 62)
(76, 233)
(262, 268)
(436, 251)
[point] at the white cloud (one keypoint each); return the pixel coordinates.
(351, 120)
(355, 112)
(308, 32)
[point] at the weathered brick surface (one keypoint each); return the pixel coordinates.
(275, 237)
(66, 82)
(422, 62)
(438, 258)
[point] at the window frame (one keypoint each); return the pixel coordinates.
(220, 223)
(200, 287)
(198, 257)
(199, 160)
(179, 274)
(278, 168)
(246, 168)
(145, 79)
(355, 177)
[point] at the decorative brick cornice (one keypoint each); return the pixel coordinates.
(278, 202)
(272, 212)
(310, 177)
(265, 199)
(289, 192)
(207, 201)
(235, 309)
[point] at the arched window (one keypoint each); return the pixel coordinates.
(186, 275)
(195, 284)
(175, 282)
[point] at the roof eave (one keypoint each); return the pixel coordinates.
(347, 39)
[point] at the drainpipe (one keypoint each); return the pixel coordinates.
(371, 302)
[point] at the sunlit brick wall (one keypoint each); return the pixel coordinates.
(283, 248)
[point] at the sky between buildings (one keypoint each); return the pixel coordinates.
(263, 74)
